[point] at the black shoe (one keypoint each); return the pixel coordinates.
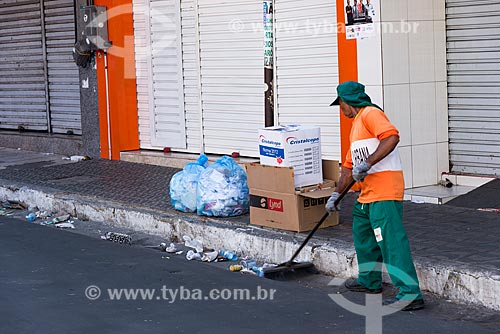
(353, 285)
(403, 305)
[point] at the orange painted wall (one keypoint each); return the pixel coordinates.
(348, 71)
(122, 82)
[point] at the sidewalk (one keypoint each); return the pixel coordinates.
(455, 249)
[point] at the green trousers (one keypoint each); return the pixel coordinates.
(379, 236)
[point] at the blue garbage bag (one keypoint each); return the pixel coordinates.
(184, 184)
(223, 190)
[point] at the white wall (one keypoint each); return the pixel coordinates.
(414, 85)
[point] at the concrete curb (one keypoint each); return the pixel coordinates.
(333, 258)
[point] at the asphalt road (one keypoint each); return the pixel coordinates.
(45, 274)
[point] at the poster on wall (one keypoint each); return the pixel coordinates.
(359, 18)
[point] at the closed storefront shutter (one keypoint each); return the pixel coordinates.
(168, 119)
(64, 89)
(473, 41)
(142, 67)
(23, 103)
(307, 68)
(190, 73)
(222, 71)
(232, 75)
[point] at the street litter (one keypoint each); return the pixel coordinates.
(65, 225)
(192, 255)
(446, 183)
(248, 263)
(4, 212)
(77, 158)
(228, 255)
(248, 271)
(209, 256)
(193, 243)
(170, 249)
(235, 267)
(9, 204)
(31, 217)
(61, 219)
(117, 237)
(184, 183)
(489, 210)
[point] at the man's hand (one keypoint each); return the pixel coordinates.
(360, 171)
(330, 205)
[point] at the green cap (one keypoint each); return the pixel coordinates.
(353, 93)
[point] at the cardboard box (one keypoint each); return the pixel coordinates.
(274, 202)
(296, 146)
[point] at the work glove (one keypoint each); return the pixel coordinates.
(82, 53)
(360, 171)
(330, 205)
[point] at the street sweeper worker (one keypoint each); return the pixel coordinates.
(378, 232)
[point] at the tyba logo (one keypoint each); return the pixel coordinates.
(295, 141)
(263, 140)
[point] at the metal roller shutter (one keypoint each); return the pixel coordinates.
(168, 121)
(23, 102)
(142, 67)
(307, 68)
(473, 42)
(191, 74)
(64, 88)
(232, 75)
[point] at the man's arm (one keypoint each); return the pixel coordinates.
(344, 180)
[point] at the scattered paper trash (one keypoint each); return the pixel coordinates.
(171, 248)
(61, 219)
(77, 158)
(210, 256)
(489, 210)
(248, 271)
(193, 243)
(192, 255)
(65, 225)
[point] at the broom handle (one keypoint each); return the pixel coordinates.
(321, 221)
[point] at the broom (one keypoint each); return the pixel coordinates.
(290, 268)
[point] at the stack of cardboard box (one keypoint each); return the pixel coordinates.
(287, 189)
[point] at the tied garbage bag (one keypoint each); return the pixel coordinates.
(223, 190)
(183, 185)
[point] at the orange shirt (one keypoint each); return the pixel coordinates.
(385, 179)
